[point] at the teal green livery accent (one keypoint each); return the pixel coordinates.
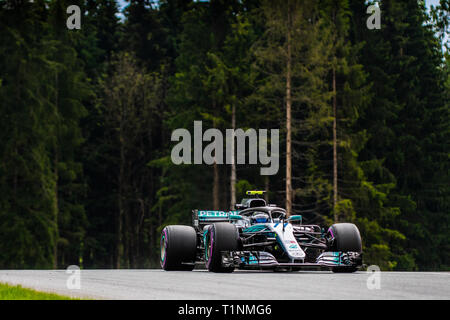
(295, 218)
(256, 228)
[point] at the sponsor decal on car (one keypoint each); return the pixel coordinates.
(213, 213)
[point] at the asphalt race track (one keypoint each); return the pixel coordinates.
(253, 285)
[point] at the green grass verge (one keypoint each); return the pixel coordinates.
(8, 292)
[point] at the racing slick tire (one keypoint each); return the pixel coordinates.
(220, 237)
(346, 238)
(178, 248)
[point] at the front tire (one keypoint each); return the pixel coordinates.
(220, 237)
(178, 248)
(345, 237)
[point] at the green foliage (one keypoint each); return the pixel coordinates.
(9, 292)
(380, 255)
(407, 122)
(85, 170)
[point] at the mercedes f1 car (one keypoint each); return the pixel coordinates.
(258, 236)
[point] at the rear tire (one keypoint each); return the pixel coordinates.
(220, 237)
(346, 238)
(178, 246)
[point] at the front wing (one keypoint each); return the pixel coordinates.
(262, 260)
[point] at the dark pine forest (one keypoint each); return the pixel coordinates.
(86, 176)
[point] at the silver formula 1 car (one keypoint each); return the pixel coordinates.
(258, 236)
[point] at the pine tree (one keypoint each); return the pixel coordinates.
(292, 60)
(28, 232)
(67, 100)
(130, 103)
(201, 62)
(404, 128)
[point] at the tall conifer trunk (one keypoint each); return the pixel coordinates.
(288, 118)
(335, 168)
(120, 214)
(55, 211)
(216, 200)
(55, 172)
(233, 164)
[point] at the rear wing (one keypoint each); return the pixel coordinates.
(211, 216)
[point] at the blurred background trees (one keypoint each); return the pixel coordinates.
(86, 118)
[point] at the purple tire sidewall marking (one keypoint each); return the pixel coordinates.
(163, 261)
(331, 231)
(211, 240)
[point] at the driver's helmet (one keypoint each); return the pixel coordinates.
(260, 218)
